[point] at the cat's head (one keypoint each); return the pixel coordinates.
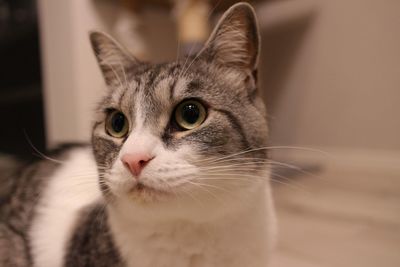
(185, 133)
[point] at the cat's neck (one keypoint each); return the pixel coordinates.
(241, 235)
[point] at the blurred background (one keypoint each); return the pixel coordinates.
(21, 90)
(330, 76)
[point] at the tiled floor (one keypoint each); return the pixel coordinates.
(346, 215)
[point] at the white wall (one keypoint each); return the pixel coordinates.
(71, 78)
(340, 84)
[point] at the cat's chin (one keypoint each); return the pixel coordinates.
(147, 194)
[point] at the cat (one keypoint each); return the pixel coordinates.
(176, 173)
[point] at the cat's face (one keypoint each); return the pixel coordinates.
(188, 130)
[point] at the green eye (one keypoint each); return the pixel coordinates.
(117, 124)
(190, 114)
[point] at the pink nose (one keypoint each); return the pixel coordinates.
(135, 162)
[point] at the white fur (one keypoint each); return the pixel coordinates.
(241, 238)
(70, 188)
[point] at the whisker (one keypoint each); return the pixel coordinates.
(244, 177)
(183, 73)
(205, 189)
(124, 73)
(288, 185)
(184, 69)
(40, 153)
(212, 186)
(255, 163)
(264, 148)
(295, 184)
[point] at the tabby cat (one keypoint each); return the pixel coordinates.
(176, 174)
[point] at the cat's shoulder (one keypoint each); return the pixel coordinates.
(71, 189)
(91, 243)
(23, 179)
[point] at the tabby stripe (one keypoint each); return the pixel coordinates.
(173, 69)
(236, 124)
(27, 254)
(121, 98)
(105, 150)
(172, 89)
(193, 87)
(153, 75)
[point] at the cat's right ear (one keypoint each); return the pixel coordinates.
(113, 59)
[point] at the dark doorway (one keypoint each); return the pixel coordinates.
(21, 105)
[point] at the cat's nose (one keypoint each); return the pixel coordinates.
(136, 162)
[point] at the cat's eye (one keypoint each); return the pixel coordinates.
(117, 124)
(190, 114)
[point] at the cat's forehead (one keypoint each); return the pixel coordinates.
(162, 85)
(153, 91)
(156, 86)
(149, 94)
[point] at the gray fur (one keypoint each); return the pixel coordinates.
(13, 248)
(91, 244)
(17, 209)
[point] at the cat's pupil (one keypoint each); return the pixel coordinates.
(190, 113)
(118, 122)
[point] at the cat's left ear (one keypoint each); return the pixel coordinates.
(113, 59)
(235, 41)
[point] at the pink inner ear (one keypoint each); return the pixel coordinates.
(136, 162)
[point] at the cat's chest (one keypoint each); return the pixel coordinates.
(176, 248)
(170, 246)
(183, 245)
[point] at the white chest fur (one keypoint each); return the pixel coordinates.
(238, 240)
(70, 188)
